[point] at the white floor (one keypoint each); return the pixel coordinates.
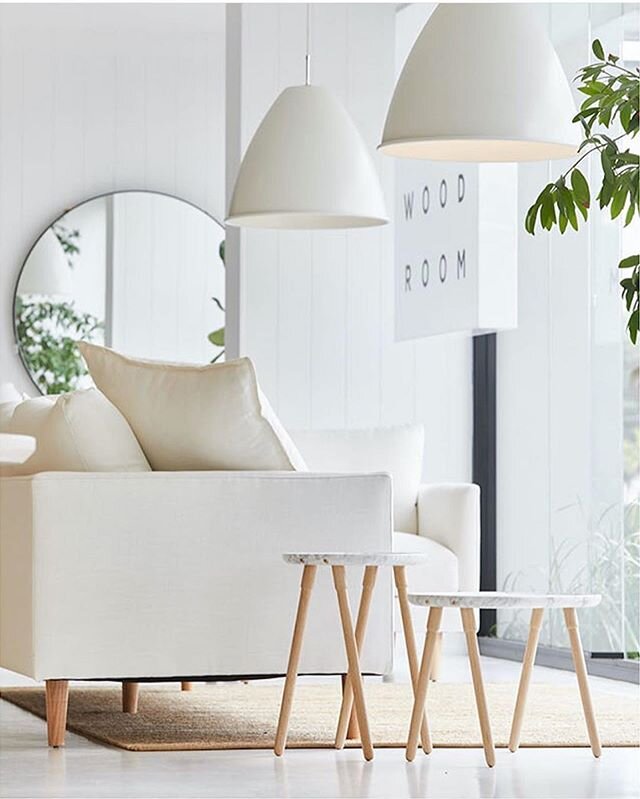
(84, 769)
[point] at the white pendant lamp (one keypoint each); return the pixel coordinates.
(46, 270)
(307, 167)
(482, 83)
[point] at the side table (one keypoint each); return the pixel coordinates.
(467, 602)
(353, 639)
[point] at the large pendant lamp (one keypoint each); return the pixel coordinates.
(482, 83)
(307, 167)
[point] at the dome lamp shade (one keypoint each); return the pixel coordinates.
(482, 83)
(307, 167)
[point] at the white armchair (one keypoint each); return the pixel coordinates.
(442, 520)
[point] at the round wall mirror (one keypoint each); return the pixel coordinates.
(138, 271)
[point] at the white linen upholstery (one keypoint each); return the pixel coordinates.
(449, 513)
(190, 417)
(165, 574)
(78, 432)
(442, 520)
(396, 450)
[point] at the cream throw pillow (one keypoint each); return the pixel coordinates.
(77, 432)
(194, 417)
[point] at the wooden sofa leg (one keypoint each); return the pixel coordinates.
(57, 700)
(130, 692)
(187, 686)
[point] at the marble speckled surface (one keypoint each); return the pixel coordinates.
(497, 599)
(357, 558)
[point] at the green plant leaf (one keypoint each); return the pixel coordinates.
(530, 219)
(562, 222)
(634, 321)
(580, 188)
(619, 199)
(598, 50)
(630, 214)
(548, 213)
(217, 337)
(629, 261)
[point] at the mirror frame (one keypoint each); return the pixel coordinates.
(57, 219)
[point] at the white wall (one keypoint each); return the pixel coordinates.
(100, 97)
(315, 310)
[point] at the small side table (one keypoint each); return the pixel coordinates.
(353, 639)
(467, 602)
(16, 448)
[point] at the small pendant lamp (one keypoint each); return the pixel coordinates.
(482, 83)
(307, 167)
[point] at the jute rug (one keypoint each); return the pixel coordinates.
(239, 716)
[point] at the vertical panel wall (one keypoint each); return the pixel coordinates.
(95, 98)
(315, 310)
(560, 392)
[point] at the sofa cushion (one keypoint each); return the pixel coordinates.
(77, 432)
(396, 450)
(189, 417)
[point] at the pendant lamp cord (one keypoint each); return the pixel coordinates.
(307, 58)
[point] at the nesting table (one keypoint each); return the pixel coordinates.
(353, 638)
(467, 602)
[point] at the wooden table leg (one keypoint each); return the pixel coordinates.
(525, 677)
(56, 702)
(571, 620)
(420, 693)
(437, 660)
(344, 721)
(130, 693)
(400, 576)
(354, 676)
(187, 686)
(469, 626)
(306, 586)
(353, 733)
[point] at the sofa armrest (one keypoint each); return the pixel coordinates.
(449, 513)
(163, 574)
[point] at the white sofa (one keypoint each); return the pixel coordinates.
(178, 575)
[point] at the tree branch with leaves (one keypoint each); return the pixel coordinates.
(612, 98)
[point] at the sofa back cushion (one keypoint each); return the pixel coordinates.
(396, 450)
(77, 432)
(210, 417)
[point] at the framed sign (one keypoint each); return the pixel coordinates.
(455, 249)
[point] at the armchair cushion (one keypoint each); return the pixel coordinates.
(395, 450)
(77, 432)
(449, 513)
(190, 417)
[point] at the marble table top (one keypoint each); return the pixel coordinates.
(357, 558)
(498, 599)
(15, 448)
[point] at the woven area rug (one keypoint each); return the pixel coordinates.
(244, 716)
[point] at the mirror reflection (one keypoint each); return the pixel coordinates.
(137, 271)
